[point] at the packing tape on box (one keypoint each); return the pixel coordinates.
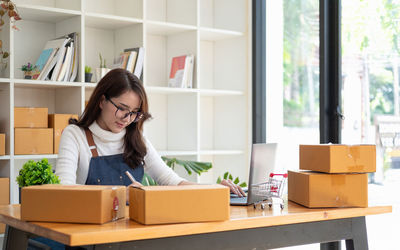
(353, 152)
(115, 205)
(338, 180)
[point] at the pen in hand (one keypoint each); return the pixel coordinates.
(130, 176)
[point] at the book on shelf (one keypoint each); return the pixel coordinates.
(62, 63)
(181, 74)
(130, 66)
(49, 50)
(138, 65)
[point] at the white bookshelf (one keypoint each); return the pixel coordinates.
(210, 122)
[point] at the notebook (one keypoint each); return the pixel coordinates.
(262, 163)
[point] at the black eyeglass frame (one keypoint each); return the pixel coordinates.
(139, 115)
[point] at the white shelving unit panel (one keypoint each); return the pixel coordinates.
(45, 14)
(105, 21)
(35, 157)
(209, 122)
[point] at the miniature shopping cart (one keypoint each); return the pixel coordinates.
(269, 190)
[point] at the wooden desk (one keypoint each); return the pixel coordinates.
(248, 228)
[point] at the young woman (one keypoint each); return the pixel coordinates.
(108, 139)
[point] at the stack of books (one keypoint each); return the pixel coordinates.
(59, 59)
(132, 60)
(181, 74)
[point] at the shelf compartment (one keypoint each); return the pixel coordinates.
(45, 14)
(224, 14)
(159, 53)
(211, 34)
(110, 43)
(223, 123)
(104, 21)
(58, 100)
(173, 11)
(165, 29)
(224, 64)
(174, 123)
(123, 8)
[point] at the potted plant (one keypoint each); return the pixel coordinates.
(102, 70)
(88, 74)
(8, 11)
(36, 173)
(30, 71)
(190, 166)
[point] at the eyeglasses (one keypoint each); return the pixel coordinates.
(122, 113)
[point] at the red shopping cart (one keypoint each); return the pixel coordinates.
(273, 188)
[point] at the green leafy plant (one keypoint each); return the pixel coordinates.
(190, 167)
(88, 70)
(36, 173)
(228, 176)
(102, 61)
(28, 67)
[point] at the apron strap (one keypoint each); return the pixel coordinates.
(92, 145)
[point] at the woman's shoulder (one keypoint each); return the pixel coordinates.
(73, 130)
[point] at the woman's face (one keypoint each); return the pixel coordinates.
(115, 114)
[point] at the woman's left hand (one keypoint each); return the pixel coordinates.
(236, 189)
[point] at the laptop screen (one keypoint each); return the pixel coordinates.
(263, 157)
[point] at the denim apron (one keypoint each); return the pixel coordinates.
(109, 169)
(103, 170)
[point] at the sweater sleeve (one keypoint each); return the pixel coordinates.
(68, 155)
(156, 168)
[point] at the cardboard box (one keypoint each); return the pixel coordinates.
(4, 197)
(177, 204)
(58, 122)
(313, 189)
(33, 141)
(2, 144)
(73, 203)
(30, 117)
(338, 158)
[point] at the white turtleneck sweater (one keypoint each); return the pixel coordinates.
(74, 155)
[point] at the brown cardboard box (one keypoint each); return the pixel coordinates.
(73, 203)
(4, 197)
(30, 117)
(338, 158)
(2, 144)
(313, 189)
(58, 122)
(176, 204)
(33, 141)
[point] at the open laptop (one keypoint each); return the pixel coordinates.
(262, 163)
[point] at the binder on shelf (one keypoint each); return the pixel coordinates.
(62, 64)
(139, 60)
(49, 51)
(130, 66)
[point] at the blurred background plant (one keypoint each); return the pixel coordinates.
(8, 12)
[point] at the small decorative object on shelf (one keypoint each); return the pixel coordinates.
(7, 9)
(88, 74)
(102, 70)
(30, 71)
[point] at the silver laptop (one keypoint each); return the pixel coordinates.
(262, 163)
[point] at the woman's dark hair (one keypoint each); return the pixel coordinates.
(113, 84)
